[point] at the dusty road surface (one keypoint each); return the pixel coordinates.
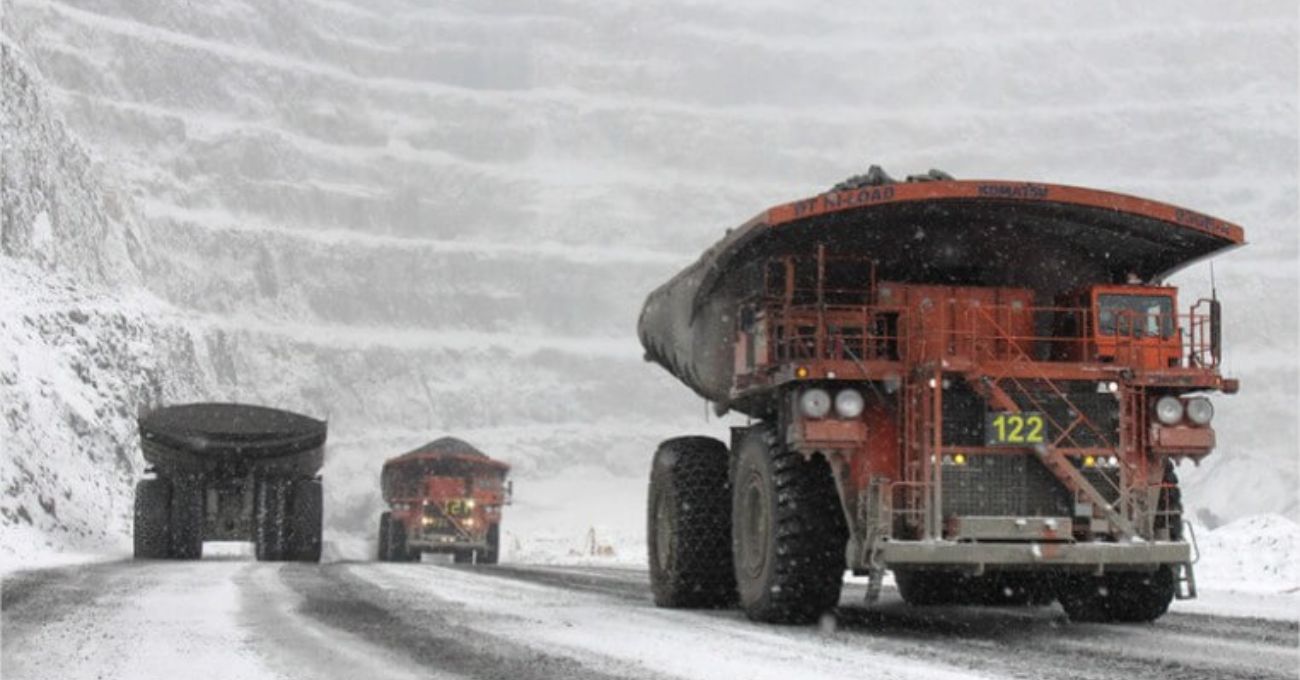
(235, 618)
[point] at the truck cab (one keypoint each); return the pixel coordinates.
(1132, 324)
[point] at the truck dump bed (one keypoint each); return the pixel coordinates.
(208, 434)
(446, 457)
(1043, 237)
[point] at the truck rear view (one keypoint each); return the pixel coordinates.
(982, 386)
(443, 497)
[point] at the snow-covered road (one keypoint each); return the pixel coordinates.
(234, 618)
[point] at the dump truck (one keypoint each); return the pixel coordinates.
(444, 497)
(229, 472)
(983, 386)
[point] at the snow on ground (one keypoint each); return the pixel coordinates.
(1259, 554)
(183, 624)
(657, 640)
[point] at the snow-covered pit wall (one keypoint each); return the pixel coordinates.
(423, 221)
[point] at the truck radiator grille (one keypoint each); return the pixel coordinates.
(1014, 485)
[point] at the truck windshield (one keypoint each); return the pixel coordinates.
(1136, 315)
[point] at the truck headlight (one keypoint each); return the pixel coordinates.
(1169, 410)
(1199, 410)
(815, 403)
(849, 403)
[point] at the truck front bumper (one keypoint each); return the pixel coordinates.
(1034, 555)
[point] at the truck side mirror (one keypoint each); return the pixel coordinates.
(1216, 330)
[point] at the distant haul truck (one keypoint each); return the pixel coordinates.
(230, 472)
(980, 385)
(443, 497)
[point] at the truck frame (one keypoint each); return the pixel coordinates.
(230, 472)
(443, 497)
(979, 385)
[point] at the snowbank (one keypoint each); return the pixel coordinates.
(1258, 554)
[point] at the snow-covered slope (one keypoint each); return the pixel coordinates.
(81, 345)
(420, 221)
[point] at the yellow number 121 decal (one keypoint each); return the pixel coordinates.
(1014, 429)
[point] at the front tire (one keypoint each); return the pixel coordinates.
(688, 528)
(384, 551)
(493, 553)
(788, 532)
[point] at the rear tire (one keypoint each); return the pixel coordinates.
(269, 520)
(1139, 597)
(151, 534)
(1125, 597)
(186, 522)
(303, 528)
(689, 525)
(788, 532)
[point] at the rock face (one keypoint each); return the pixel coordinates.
(417, 221)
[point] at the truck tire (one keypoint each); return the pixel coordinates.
(269, 520)
(1139, 597)
(788, 532)
(493, 553)
(186, 522)
(689, 525)
(303, 528)
(1125, 597)
(151, 534)
(397, 551)
(383, 553)
(463, 557)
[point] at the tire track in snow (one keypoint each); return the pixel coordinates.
(1030, 641)
(335, 597)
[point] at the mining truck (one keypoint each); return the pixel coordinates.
(444, 497)
(983, 386)
(229, 472)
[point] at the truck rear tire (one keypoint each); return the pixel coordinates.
(689, 525)
(303, 528)
(1139, 597)
(269, 520)
(788, 532)
(151, 534)
(186, 522)
(1124, 597)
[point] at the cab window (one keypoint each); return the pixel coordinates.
(1135, 315)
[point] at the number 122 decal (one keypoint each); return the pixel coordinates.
(1015, 429)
